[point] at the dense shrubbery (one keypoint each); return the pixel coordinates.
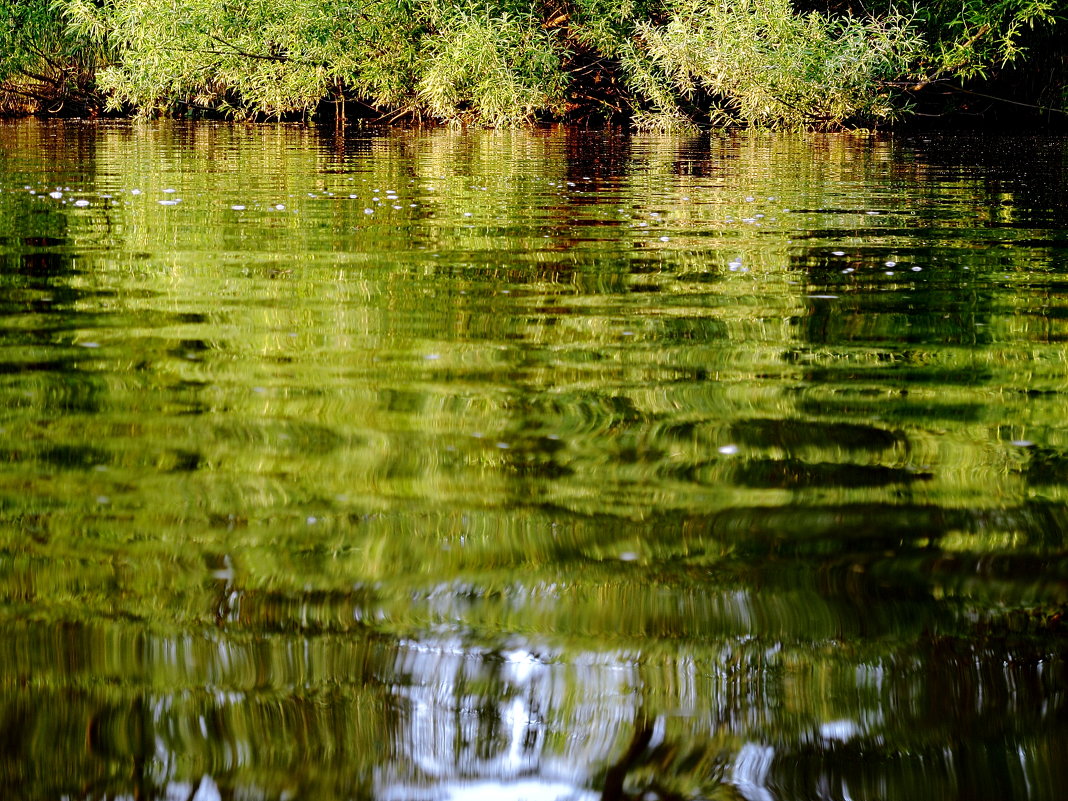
(660, 63)
(43, 65)
(761, 63)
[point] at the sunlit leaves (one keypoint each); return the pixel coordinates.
(502, 68)
(256, 58)
(769, 66)
(664, 64)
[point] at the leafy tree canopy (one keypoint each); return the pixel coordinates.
(661, 63)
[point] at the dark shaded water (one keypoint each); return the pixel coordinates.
(542, 465)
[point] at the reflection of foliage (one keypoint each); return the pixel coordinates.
(670, 770)
(288, 519)
(125, 713)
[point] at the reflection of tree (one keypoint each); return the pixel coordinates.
(659, 764)
(616, 774)
(117, 711)
(603, 487)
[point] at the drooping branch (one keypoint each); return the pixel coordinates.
(235, 50)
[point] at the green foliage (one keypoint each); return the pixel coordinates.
(40, 61)
(974, 38)
(754, 62)
(666, 64)
(605, 25)
(259, 57)
(496, 65)
(970, 37)
(763, 64)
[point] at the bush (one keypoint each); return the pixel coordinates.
(42, 64)
(265, 57)
(972, 37)
(496, 66)
(665, 64)
(760, 63)
(255, 57)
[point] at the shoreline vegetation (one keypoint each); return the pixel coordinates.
(657, 65)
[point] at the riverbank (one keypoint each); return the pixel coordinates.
(671, 65)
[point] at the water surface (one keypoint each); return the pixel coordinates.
(548, 465)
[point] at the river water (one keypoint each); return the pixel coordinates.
(537, 465)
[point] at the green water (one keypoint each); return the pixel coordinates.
(540, 465)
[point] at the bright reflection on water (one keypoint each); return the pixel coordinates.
(544, 465)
